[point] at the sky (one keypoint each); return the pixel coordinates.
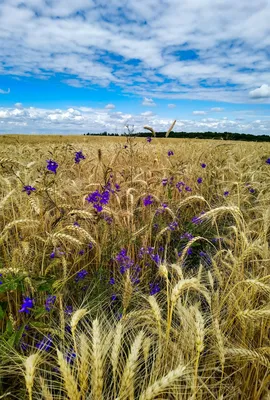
(83, 66)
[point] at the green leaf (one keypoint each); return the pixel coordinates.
(18, 335)
(9, 328)
(2, 313)
(11, 340)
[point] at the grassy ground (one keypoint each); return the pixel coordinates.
(141, 271)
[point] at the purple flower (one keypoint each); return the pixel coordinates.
(154, 288)
(1, 281)
(155, 258)
(189, 251)
(69, 310)
(148, 200)
(252, 190)
(105, 197)
(27, 304)
(124, 261)
(113, 297)
(28, 189)
(203, 165)
(226, 193)
(197, 220)
(81, 275)
(79, 156)
(215, 240)
(45, 343)
(155, 226)
(268, 161)
(149, 139)
(52, 166)
(170, 153)
(50, 300)
(179, 186)
(98, 199)
(117, 187)
(57, 253)
(173, 226)
(199, 180)
(81, 252)
(112, 281)
(93, 197)
(76, 224)
(188, 189)
(164, 181)
(187, 235)
(90, 246)
(70, 356)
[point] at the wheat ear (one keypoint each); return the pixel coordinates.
(130, 368)
(30, 365)
(160, 385)
(97, 371)
(45, 390)
(69, 380)
(84, 364)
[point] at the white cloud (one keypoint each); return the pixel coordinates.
(217, 109)
(261, 92)
(18, 105)
(148, 102)
(74, 82)
(199, 112)
(171, 105)
(85, 119)
(147, 114)
(4, 91)
(110, 106)
(141, 47)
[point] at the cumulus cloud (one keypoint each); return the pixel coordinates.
(171, 105)
(4, 91)
(81, 120)
(148, 102)
(199, 112)
(147, 114)
(18, 105)
(261, 92)
(141, 47)
(217, 109)
(110, 106)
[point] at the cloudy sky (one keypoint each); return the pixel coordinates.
(94, 65)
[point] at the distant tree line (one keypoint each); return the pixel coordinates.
(197, 135)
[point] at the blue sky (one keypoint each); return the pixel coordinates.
(92, 65)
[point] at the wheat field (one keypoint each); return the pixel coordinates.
(134, 269)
